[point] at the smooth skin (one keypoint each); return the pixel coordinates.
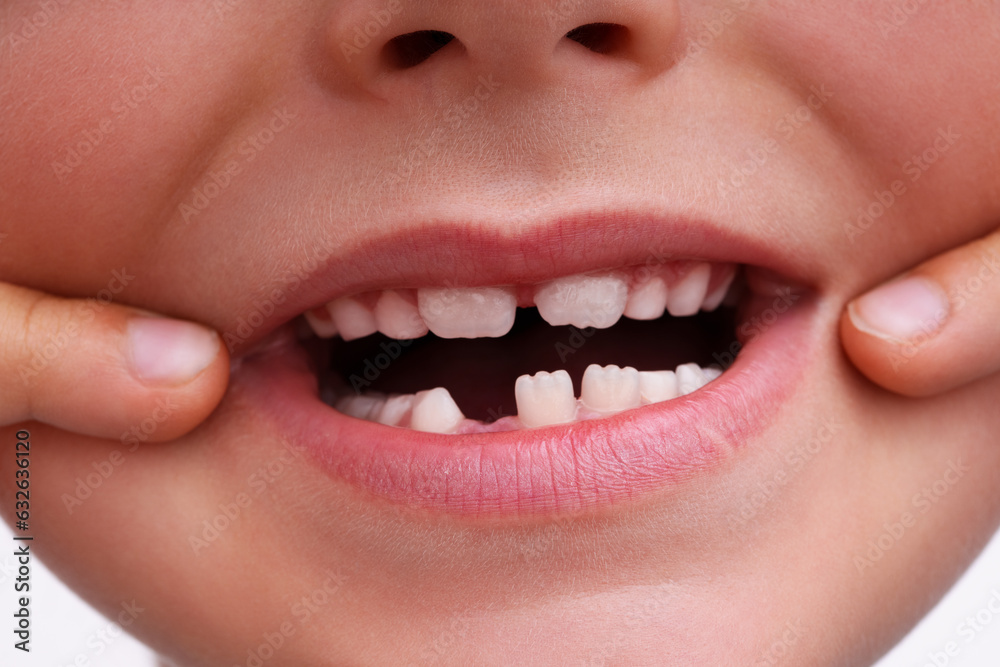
(708, 572)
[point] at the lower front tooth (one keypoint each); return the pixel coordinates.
(361, 407)
(398, 318)
(435, 411)
(711, 373)
(657, 386)
(545, 399)
(610, 389)
(583, 301)
(690, 378)
(396, 410)
(352, 318)
(469, 312)
(687, 295)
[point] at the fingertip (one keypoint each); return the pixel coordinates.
(167, 352)
(890, 363)
(124, 373)
(185, 390)
(902, 310)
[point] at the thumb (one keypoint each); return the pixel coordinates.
(935, 328)
(105, 370)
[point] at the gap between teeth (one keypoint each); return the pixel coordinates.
(595, 300)
(543, 399)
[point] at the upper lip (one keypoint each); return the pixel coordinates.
(482, 253)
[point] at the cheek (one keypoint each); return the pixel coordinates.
(898, 73)
(105, 112)
(912, 100)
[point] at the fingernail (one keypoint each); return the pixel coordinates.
(165, 351)
(901, 310)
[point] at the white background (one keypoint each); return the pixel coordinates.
(64, 628)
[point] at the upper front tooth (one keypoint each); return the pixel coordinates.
(656, 386)
(435, 411)
(397, 317)
(690, 378)
(687, 295)
(610, 389)
(648, 300)
(545, 398)
(713, 300)
(352, 318)
(468, 312)
(584, 301)
(321, 323)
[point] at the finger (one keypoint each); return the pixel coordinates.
(935, 328)
(103, 369)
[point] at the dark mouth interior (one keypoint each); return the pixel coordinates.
(480, 373)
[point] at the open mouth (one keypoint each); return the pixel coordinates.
(489, 359)
(592, 361)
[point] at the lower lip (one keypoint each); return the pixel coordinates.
(554, 470)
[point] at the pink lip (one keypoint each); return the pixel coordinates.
(545, 471)
(484, 252)
(551, 470)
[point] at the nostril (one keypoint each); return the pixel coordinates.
(602, 38)
(413, 48)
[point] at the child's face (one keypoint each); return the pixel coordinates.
(241, 162)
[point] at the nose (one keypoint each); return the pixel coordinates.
(387, 42)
